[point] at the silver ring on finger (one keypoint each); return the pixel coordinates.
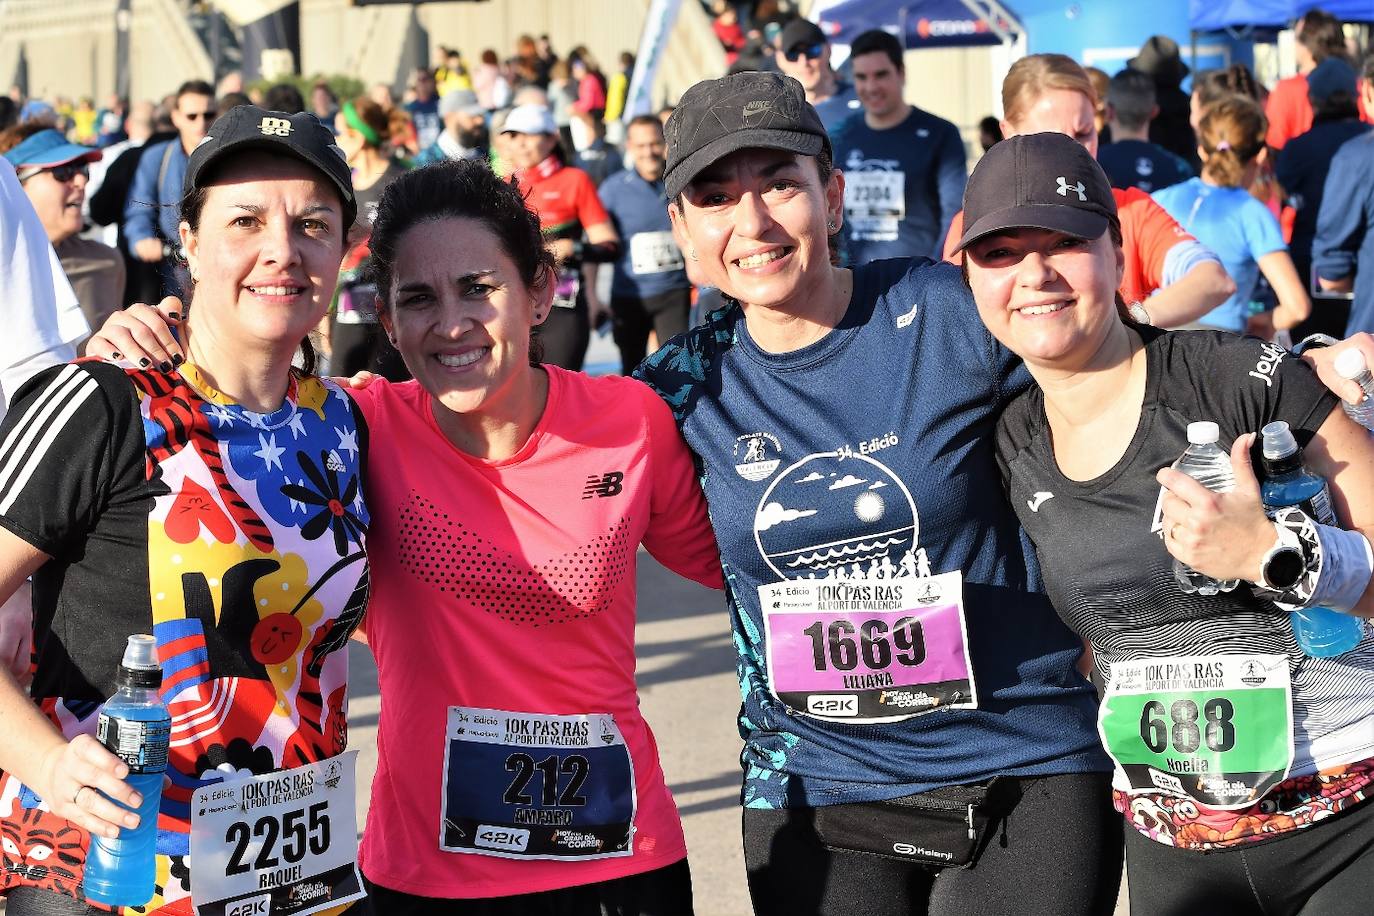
(76, 799)
(1173, 531)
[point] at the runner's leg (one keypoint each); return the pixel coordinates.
(671, 319)
(564, 336)
(630, 326)
(1167, 881)
(665, 891)
(1057, 853)
(792, 874)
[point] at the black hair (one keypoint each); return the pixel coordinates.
(459, 189)
(1132, 97)
(1321, 34)
(9, 112)
(195, 87)
(283, 97)
(875, 40)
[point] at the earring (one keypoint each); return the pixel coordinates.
(693, 255)
(832, 227)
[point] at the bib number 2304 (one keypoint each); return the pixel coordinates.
(276, 845)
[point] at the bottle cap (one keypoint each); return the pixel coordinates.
(1278, 440)
(141, 652)
(1350, 364)
(1203, 432)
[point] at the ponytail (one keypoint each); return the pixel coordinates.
(1232, 134)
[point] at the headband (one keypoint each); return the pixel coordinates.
(356, 122)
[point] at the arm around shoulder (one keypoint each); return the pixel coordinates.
(1342, 451)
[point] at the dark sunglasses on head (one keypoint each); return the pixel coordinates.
(810, 52)
(64, 172)
(208, 115)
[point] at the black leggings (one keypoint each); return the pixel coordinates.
(665, 891)
(632, 320)
(1056, 853)
(1323, 870)
(564, 336)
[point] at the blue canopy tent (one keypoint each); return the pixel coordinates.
(1270, 15)
(923, 23)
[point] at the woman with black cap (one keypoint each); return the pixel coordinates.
(917, 739)
(215, 505)
(1226, 736)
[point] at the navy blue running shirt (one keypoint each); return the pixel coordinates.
(904, 394)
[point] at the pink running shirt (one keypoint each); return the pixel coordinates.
(510, 586)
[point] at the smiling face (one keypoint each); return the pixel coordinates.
(265, 254)
(461, 315)
(528, 150)
(757, 223)
(644, 143)
(879, 84)
(1060, 111)
(1049, 297)
(58, 203)
(811, 66)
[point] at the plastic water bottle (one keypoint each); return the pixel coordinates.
(1205, 462)
(136, 727)
(1351, 365)
(1320, 632)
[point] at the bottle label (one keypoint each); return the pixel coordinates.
(141, 745)
(1318, 508)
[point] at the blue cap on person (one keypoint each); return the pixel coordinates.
(1037, 181)
(49, 148)
(299, 135)
(1329, 77)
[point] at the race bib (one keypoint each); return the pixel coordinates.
(565, 290)
(357, 304)
(523, 785)
(875, 202)
(1214, 728)
(865, 651)
(284, 843)
(654, 253)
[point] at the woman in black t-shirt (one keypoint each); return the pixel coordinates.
(1197, 687)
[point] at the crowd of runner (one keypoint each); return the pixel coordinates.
(916, 424)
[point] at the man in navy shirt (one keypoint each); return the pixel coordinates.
(904, 168)
(650, 290)
(1345, 227)
(803, 53)
(1131, 160)
(151, 214)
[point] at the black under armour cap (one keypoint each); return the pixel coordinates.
(301, 135)
(1038, 181)
(752, 110)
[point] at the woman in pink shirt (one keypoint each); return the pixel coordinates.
(515, 772)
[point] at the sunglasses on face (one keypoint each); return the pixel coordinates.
(63, 173)
(810, 52)
(208, 115)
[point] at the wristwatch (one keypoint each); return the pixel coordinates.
(1284, 565)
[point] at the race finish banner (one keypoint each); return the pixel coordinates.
(1214, 728)
(658, 22)
(282, 844)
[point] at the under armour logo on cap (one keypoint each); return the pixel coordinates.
(278, 127)
(1065, 188)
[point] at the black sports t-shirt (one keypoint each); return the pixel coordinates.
(1101, 544)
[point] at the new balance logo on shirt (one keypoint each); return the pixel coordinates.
(608, 484)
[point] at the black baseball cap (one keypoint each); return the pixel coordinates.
(301, 136)
(1039, 181)
(751, 110)
(800, 32)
